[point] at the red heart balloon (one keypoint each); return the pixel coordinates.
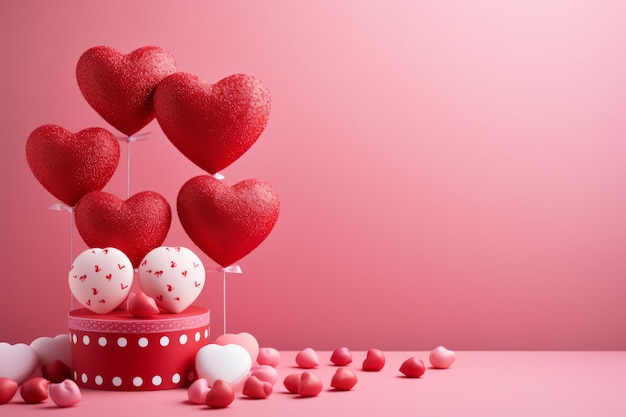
(225, 222)
(120, 87)
(212, 124)
(71, 165)
(135, 226)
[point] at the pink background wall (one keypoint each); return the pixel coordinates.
(450, 172)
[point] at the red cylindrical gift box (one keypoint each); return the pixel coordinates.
(120, 352)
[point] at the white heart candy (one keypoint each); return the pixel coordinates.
(229, 362)
(49, 349)
(17, 362)
(173, 276)
(100, 279)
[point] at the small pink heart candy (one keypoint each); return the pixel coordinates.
(310, 384)
(8, 388)
(35, 390)
(344, 379)
(374, 361)
(56, 371)
(268, 356)
(198, 390)
(253, 387)
(341, 356)
(291, 382)
(307, 359)
(413, 367)
(243, 339)
(65, 394)
(143, 306)
(442, 358)
(221, 395)
(265, 373)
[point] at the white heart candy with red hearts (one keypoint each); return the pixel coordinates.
(173, 276)
(100, 279)
(230, 363)
(17, 362)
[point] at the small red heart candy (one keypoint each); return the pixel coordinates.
(212, 124)
(143, 306)
(307, 359)
(8, 388)
(120, 87)
(35, 390)
(56, 371)
(225, 222)
(134, 226)
(221, 395)
(70, 165)
(310, 384)
(413, 367)
(253, 387)
(374, 361)
(291, 382)
(341, 356)
(344, 379)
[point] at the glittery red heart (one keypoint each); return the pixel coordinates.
(120, 87)
(135, 226)
(227, 223)
(70, 165)
(212, 124)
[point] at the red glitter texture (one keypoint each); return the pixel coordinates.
(120, 87)
(71, 165)
(135, 226)
(212, 124)
(225, 222)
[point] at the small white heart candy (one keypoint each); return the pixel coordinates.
(230, 363)
(49, 349)
(17, 362)
(173, 276)
(100, 279)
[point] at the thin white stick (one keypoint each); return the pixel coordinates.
(71, 251)
(128, 169)
(224, 304)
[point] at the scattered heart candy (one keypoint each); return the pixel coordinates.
(253, 387)
(142, 306)
(56, 371)
(243, 339)
(374, 361)
(442, 358)
(173, 276)
(49, 349)
(70, 165)
(8, 388)
(120, 87)
(17, 362)
(227, 223)
(307, 359)
(268, 356)
(344, 379)
(134, 226)
(310, 384)
(35, 390)
(212, 124)
(341, 356)
(100, 279)
(198, 390)
(65, 394)
(291, 382)
(221, 395)
(230, 363)
(413, 367)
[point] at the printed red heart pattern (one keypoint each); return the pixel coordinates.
(120, 87)
(225, 222)
(134, 226)
(212, 124)
(71, 165)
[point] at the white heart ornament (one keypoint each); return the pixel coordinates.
(49, 349)
(173, 276)
(100, 279)
(17, 362)
(230, 363)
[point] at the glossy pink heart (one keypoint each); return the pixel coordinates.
(198, 390)
(265, 373)
(212, 124)
(442, 358)
(254, 387)
(65, 394)
(268, 356)
(243, 339)
(173, 276)
(143, 306)
(100, 279)
(135, 226)
(70, 165)
(17, 362)
(344, 379)
(307, 359)
(225, 222)
(120, 87)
